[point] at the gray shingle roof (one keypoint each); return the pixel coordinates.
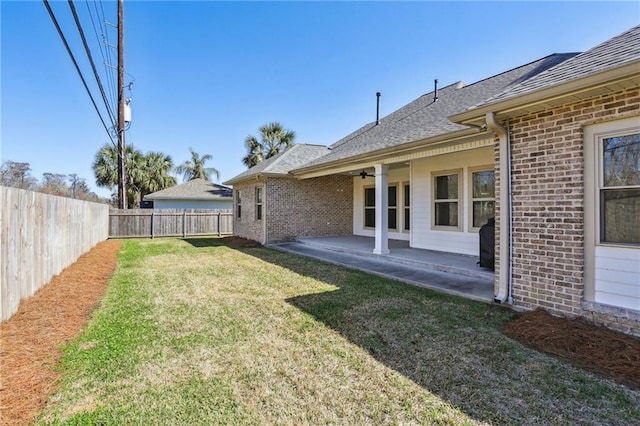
(423, 118)
(617, 51)
(197, 189)
(280, 164)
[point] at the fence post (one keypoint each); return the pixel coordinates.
(219, 233)
(152, 230)
(184, 223)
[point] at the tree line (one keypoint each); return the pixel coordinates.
(144, 173)
(18, 175)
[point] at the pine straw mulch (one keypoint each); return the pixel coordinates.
(606, 352)
(30, 340)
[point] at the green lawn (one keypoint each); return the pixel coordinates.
(195, 332)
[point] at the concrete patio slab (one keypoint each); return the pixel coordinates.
(446, 272)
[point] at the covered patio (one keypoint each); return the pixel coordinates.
(451, 273)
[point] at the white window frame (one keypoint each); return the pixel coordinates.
(373, 207)
(365, 207)
(238, 204)
(459, 200)
(594, 173)
(391, 208)
(593, 177)
(406, 207)
(487, 168)
(259, 202)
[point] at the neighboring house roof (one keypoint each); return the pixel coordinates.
(425, 118)
(281, 163)
(197, 189)
(584, 75)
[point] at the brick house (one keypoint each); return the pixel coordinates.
(551, 149)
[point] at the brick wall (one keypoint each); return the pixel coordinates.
(296, 208)
(548, 193)
(315, 207)
(247, 226)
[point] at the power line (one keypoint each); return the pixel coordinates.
(73, 59)
(93, 66)
(108, 50)
(110, 82)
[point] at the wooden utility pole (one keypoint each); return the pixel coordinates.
(122, 193)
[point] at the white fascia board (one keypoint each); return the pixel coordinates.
(557, 92)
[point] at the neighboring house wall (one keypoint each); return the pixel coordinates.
(193, 204)
(321, 206)
(548, 186)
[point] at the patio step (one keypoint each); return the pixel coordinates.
(450, 263)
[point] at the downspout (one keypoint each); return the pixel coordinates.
(504, 278)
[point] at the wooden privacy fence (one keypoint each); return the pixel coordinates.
(147, 223)
(40, 236)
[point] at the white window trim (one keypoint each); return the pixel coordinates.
(396, 207)
(594, 177)
(405, 207)
(365, 207)
(261, 203)
(389, 208)
(434, 175)
(471, 171)
(593, 135)
(238, 204)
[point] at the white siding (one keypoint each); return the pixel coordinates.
(464, 241)
(193, 204)
(397, 177)
(617, 276)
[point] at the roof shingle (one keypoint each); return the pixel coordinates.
(197, 189)
(281, 163)
(425, 118)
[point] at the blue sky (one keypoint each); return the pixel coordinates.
(207, 74)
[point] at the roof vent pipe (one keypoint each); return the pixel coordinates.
(377, 108)
(435, 90)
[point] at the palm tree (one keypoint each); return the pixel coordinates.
(274, 138)
(156, 177)
(105, 167)
(195, 169)
(144, 173)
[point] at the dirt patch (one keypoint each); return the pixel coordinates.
(240, 242)
(603, 351)
(30, 340)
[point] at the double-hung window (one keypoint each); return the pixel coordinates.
(407, 205)
(370, 207)
(393, 207)
(238, 204)
(619, 188)
(483, 197)
(446, 208)
(259, 203)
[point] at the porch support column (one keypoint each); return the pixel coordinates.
(382, 209)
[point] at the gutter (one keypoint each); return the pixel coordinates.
(505, 265)
(626, 75)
